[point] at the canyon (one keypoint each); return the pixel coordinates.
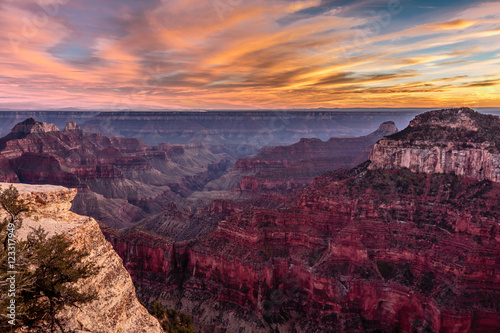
(239, 132)
(120, 180)
(391, 231)
(286, 168)
(375, 248)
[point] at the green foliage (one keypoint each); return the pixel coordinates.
(58, 267)
(47, 268)
(10, 202)
(172, 321)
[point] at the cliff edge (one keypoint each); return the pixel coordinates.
(460, 141)
(116, 309)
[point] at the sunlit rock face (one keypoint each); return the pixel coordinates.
(31, 126)
(459, 141)
(116, 309)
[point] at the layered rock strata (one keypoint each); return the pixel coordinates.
(459, 141)
(360, 251)
(121, 180)
(379, 248)
(286, 168)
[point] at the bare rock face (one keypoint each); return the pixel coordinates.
(117, 308)
(378, 248)
(358, 251)
(459, 141)
(72, 126)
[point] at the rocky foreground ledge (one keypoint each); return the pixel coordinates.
(117, 308)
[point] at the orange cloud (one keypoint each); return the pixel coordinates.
(182, 54)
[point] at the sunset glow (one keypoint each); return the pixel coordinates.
(218, 54)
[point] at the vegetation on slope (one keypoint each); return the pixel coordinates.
(172, 321)
(440, 126)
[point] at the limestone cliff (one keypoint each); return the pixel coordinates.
(459, 141)
(117, 308)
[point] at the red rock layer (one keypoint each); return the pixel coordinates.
(121, 180)
(459, 141)
(360, 250)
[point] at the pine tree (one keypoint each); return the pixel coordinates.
(14, 206)
(57, 267)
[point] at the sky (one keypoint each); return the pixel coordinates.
(235, 54)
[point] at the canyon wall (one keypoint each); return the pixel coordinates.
(361, 251)
(120, 180)
(376, 248)
(287, 168)
(459, 141)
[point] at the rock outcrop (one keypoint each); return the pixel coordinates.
(357, 251)
(31, 126)
(459, 141)
(116, 309)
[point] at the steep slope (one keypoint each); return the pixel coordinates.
(121, 180)
(274, 169)
(116, 309)
(375, 248)
(286, 168)
(459, 141)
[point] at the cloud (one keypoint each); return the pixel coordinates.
(450, 25)
(263, 54)
(483, 83)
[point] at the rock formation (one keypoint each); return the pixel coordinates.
(241, 130)
(386, 246)
(31, 126)
(459, 141)
(357, 251)
(121, 180)
(116, 309)
(375, 248)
